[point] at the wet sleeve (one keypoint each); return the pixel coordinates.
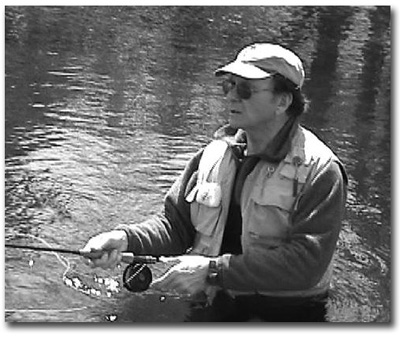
(171, 232)
(301, 260)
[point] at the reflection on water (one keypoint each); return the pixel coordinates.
(105, 105)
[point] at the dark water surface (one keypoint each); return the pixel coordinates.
(104, 106)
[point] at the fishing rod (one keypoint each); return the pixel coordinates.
(137, 275)
(127, 257)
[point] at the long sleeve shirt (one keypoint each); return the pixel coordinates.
(298, 263)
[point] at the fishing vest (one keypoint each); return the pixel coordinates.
(268, 200)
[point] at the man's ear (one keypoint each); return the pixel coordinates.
(285, 100)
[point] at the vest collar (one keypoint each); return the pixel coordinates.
(297, 154)
(278, 149)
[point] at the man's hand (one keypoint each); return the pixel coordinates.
(104, 250)
(188, 277)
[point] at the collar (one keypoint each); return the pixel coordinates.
(276, 150)
(297, 154)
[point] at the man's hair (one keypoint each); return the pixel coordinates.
(283, 85)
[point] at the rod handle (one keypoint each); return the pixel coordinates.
(127, 257)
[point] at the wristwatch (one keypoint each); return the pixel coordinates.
(213, 276)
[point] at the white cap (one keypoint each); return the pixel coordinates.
(262, 60)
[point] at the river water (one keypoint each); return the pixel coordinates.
(104, 106)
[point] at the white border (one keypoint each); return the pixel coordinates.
(193, 331)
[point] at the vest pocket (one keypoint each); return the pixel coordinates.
(268, 213)
(205, 207)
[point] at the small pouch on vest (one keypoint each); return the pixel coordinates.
(205, 207)
(206, 193)
(209, 194)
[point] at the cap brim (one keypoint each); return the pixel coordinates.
(245, 70)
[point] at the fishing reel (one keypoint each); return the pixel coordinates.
(137, 277)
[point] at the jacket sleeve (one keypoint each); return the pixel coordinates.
(170, 232)
(302, 259)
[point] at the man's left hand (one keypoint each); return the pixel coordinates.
(188, 277)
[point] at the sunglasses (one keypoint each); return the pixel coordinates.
(243, 88)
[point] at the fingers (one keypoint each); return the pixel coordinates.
(104, 250)
(115, 239)
(100, 242)
(188, 277)
(109, 259)
(167, 286)
(175, 281)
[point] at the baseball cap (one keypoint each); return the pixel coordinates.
(262, 60)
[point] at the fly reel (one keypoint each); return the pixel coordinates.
(137, 277)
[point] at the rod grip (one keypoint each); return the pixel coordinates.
(127, 257)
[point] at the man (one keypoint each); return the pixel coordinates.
(255, 216)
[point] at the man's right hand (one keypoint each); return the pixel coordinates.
(104, 250)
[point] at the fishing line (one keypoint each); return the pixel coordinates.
(73, 309)
(66, 264)
(75, 282)
(137, 276)
(62, 260)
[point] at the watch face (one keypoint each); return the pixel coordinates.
(212, 277)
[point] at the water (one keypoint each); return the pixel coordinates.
(104, 106)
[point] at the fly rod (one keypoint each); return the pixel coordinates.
(127, 257)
